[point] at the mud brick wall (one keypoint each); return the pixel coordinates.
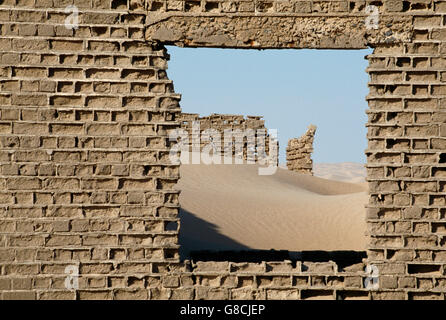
(267, 280)
(299, 150)
(406, 160)
(239, 126)
(85, 177)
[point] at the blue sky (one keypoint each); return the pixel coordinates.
(289, 88)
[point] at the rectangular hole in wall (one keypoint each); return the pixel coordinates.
(424, 269)
(316, 295)
(305, 211)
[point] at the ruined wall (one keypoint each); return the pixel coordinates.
(85, 176)
(299, 150)
(249, 132)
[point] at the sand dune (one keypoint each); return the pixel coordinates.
(231, 207)
(346, 171)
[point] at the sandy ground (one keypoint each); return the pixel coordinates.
(346, 171)
(231, 207)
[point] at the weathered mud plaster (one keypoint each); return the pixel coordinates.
(269, 31)
(86, 181)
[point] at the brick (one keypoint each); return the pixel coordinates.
(63, 129)
(19, 295)
(131, 294)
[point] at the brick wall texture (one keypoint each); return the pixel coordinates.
(299, 150)
(85, 177)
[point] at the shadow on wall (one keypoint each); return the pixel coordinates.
(197, 234)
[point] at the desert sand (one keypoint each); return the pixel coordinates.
(231, 207)
(345, 171)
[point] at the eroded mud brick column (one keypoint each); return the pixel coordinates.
(299, 150)
(406, 160)
(84, 177)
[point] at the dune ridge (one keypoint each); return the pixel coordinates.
(231, 207)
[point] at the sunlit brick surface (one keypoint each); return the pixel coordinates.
(85, 175)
